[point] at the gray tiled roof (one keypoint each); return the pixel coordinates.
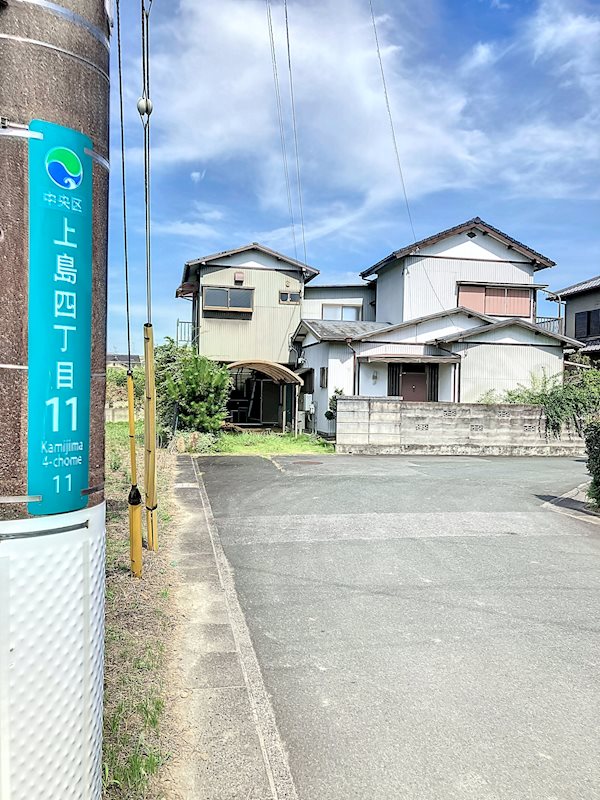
(579, 288)
(337, 330)
(591, 346)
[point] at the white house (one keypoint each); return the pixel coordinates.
(455, 319)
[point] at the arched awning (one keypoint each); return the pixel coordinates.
(275, 371)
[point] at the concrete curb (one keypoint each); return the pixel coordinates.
(575, 503)
(273, 750)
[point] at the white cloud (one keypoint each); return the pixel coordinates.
(197, 176)
(484, 54)
(452, 132)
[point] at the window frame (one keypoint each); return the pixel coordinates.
(588, 323)
(323, 377)
(229, 307)
(342, 306)
(498, 287)
(290, 302)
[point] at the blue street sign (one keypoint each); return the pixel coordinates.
(60, 311)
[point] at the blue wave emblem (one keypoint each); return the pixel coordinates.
(64, 168)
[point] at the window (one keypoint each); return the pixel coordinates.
(500, 301)
(289, 297)
(323, 377)
(587, 323)
(309, 381)
(347, 313)
(222, 299)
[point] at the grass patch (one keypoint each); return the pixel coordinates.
(137, 631)
(252, 443)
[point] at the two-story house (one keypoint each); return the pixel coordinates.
(246, 305)
(582, 314)
(454, 321)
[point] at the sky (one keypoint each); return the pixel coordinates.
(496, 109)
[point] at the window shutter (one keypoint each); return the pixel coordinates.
(518, 303)
(472, 297)
(594, 326)
(581, 325)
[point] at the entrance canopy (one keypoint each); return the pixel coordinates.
(277, 372)
(410, 358)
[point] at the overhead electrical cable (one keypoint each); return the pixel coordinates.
(123, 183)
(397, 153)
(134, 499)
(295, 129)
(391, 119)
(281, 126)
(144, 106)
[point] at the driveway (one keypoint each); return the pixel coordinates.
(425, 627)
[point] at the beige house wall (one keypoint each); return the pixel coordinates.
(264, 334)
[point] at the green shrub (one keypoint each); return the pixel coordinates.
(571, 404)
(592, 446)
(331, 412)
(198, 390)
(116, 385)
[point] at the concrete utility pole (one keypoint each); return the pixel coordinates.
(54, 102)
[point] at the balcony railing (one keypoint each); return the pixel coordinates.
(185, 332)
(551, 324)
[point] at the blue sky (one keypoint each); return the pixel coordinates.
(496, 106)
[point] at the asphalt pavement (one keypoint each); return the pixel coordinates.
(426, 628)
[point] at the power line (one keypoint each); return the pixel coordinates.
(295, 128)
(145, 110)
(389, 111)
(125, 248)
(396, 151)
(281, 125)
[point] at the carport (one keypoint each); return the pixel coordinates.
(249, 393)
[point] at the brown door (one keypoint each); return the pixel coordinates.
(414, 386)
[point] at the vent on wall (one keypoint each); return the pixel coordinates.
(238, 277)
(471, 235)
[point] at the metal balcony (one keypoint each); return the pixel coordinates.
(551, 324)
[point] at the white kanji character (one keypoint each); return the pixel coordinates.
(65, 269)
(76, 204)
(67, 230)
(65, 329)
(50, 198)
(64, 374)
(65, 304)
(64, 201)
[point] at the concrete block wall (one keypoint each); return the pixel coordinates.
(389, 426)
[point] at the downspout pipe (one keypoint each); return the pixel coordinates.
(355, 375)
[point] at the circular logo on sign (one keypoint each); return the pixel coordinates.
(64, 167)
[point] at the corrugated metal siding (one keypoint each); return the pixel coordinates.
(502, 367)
(267, 333)
(390, 295)
(443, 273)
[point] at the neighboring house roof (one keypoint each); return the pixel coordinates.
(591, 346)
(246, 248)
(418, 320)
(338, 330)
(464, 227)
(579, 288)
(121, 358)
(506, 323)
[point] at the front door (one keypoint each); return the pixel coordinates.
(414, 387)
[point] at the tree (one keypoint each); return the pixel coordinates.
(198, 389)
